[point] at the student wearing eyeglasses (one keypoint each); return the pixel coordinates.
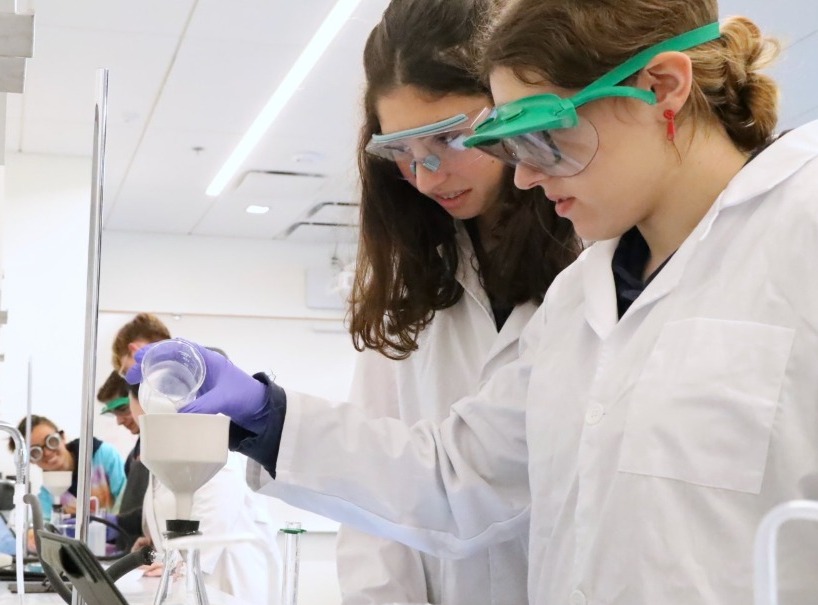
(51, 452)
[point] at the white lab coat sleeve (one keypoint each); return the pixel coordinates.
(373, 570)
(448, 489)
(375, 385)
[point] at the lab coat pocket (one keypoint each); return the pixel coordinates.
(703, 408)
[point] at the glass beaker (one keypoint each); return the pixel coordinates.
(172, 374)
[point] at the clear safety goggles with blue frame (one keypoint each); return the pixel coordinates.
(546, 132)
(434, 146)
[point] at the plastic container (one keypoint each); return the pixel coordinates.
(96, 538)
(172, 374)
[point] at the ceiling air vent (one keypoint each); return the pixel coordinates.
(327, 222)
(278, 184)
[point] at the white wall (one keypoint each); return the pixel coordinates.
(44, 239)
(245, 296)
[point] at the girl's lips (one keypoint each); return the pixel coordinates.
(452, 201)
(563, 205)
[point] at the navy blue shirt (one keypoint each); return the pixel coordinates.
(628, 265)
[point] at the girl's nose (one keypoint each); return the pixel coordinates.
(527, 177)
(427, 181)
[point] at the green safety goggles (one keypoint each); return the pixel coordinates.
(433, 146)
(546, 132)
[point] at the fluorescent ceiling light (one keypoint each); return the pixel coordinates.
(335, 20)
(257, 209)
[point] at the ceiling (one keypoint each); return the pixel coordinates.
(187, 77)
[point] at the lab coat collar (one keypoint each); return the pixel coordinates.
(510, 333)
(601, 311)
(774, 165)
(600, 291)
(467, 274)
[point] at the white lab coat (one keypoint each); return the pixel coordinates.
(224, 506)
(656, 442)
(457, 351)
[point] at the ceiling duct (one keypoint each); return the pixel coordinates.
(278, 184)
(336, 221)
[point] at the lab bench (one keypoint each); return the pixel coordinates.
(137, 589)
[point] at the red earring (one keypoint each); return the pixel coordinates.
(670, 116)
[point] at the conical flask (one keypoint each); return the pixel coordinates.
(182, 581)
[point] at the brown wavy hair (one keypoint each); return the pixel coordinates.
(407, 255)
(571, 43)
(144, 326)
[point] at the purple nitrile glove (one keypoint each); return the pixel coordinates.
(226, 390)
(111, 533)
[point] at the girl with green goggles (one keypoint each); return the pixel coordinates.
(662, 429)
(546, 132)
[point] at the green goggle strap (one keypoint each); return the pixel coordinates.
(117, 403)
(606, 86)
(563, 110)
(420, 131)
(549, 111)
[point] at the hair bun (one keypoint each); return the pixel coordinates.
(748, 105)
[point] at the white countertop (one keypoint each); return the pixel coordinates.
(136, 589)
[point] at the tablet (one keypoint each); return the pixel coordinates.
(73, 559)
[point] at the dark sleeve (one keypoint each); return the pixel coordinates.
(131, 524)
(130, 516)
(263, 447)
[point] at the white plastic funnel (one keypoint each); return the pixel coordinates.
(56, 482)
(184, 451)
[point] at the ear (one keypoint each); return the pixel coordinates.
(670, 76)
(134, 346)
(136, 409)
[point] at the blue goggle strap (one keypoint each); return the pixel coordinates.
(422, 131)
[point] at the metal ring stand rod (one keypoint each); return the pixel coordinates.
(91, 312)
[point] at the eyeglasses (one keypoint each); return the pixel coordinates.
(433, 146)
(52, 442)
(560, 152)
